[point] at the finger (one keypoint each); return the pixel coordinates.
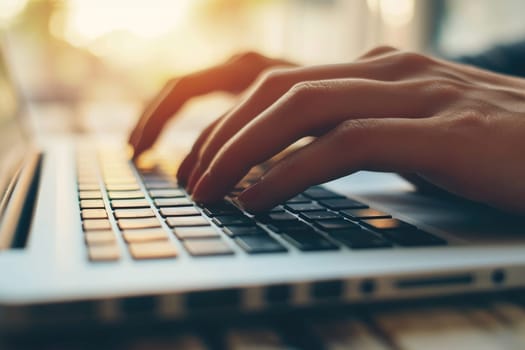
(233, 76)
(135, 134)
(189, 161)
(378, 51)
(306, 109)
(391, 144)
(171, 100)
(272, 87)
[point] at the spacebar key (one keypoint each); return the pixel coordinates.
(258, 244)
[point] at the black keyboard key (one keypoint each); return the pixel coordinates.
(319, 215)
(302, 207)
(342, 203)
(207, 247)
(277, 209)
(386, 224)
(360, 239)
(221, 208)
(234, 231)
(259, 244)
(277, 217)
(289, 226)
(171, 193)
(336, 224)
(410, 237)
(358, 214)
(237, 220)
(179, 211)
(300, 198)
(318, 192)
(309, 241)
(173, 202)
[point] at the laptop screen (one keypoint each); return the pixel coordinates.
(13, 144)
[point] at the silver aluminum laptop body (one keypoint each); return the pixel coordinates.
(46, 276)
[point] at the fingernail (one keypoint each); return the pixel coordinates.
(250, 199)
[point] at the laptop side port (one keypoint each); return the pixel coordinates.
(435, 281)
(75, 311)
(277, 294)
(324, 290)
(138, 306)
(498, 277)
(224, 298)
(367, 287)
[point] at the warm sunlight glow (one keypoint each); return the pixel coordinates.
(10, 8)
(396, 13)
(89, 20)
(372, 5)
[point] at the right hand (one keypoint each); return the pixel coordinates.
(233, 76)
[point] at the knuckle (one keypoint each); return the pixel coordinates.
(378, 50)
(353, 132)
(249, 56)
(171, 83)
(470, 117)
(412, 60)
(444, 89)
(473, 116)
(305, 90)
(271, 78)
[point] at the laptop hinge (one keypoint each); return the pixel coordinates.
(17, 217)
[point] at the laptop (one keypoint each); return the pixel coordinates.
(87, 236)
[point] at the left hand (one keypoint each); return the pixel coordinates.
(460, 128)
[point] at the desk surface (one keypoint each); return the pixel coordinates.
(473, 322)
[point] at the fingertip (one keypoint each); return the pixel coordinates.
(193, 179)
(203, 190)
(185, 169)
(252, 199)
(135, 153)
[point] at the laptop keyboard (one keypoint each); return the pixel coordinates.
(144, 213)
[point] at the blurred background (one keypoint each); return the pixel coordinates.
(93, 64)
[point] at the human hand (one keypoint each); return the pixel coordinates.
(233, 76)
(456, 126)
